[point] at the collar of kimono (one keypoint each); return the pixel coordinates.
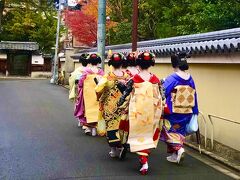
(177, 77)
(90, 71)
(138, 79)
(130, 73)
(112, 76)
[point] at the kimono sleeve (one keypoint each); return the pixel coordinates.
(195, 108)
(169, 85)
(81, 80)
(102, 84)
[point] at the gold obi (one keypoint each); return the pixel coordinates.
(183, 99)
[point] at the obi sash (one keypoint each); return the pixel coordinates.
(90, 99)
(183, 99)
(145, 109)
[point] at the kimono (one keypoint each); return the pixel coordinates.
(124, 122)
(129, 72)
(181, 104)
(109, 95)
(145, 110)
(87, 107)
(72, 86)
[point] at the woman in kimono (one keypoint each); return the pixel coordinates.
(131, 65)
(87, 99)
(145, 109)
(181, 106)
(109, 93)
(73, 80)
(131, 70)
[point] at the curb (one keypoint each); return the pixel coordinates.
(215, 157)
(21, 78)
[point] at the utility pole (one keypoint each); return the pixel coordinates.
(101, 34)
(54, 76)
(135, 26)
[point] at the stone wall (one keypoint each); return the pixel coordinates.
(41, 74)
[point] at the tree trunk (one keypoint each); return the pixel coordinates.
(2, 6)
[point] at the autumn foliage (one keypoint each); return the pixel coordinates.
(83, 24)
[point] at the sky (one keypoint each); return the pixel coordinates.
(72, 2)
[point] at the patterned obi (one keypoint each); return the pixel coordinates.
(183, 99)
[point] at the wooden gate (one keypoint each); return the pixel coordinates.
(19, 64)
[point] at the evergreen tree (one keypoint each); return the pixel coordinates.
(29, 20)
(168, 18)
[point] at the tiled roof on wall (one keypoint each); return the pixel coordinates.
(12, 45)
(212, 46)
(212, 42)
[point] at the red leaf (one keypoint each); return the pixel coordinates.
(82, 26)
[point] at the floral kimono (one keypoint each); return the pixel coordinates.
(87, 107)
(124, 122)
(109, 95)
(181, 104)
(145, 110)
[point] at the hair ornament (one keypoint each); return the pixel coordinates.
(146, 57)
(116, 57)
(131, 56)
(93, 56)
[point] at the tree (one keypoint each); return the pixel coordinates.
(190, 16)
(30, 21)
(168, 18)
(82, 26)
(2, 5)
(120, 13)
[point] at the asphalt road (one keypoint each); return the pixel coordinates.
(39, 140)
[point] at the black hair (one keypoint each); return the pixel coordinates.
(116, 60)
(183, 65)
(124, 63)
(94, 59)
(131, 60)
(145, 60)
(83, 59)
(180, 60)
(174, 61)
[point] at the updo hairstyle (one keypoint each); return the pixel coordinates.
(94, 59)
(179, 60)
(131, 59)
(116, 60)
(83, 59)
(145, 60)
